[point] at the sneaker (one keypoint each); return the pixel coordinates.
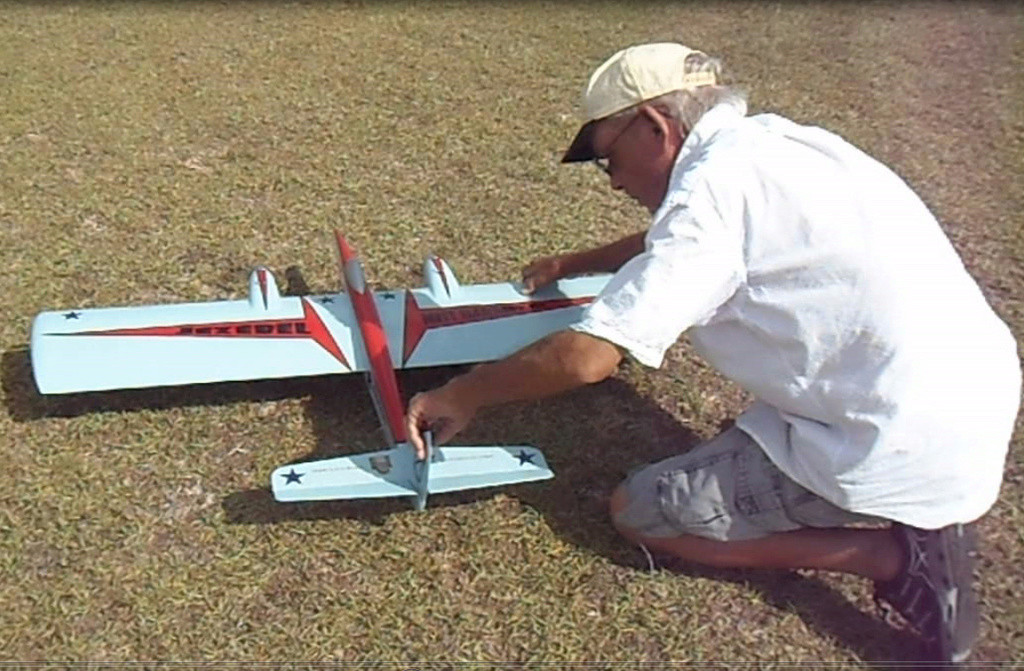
(933, 591)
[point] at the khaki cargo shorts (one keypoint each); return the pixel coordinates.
(726, 489)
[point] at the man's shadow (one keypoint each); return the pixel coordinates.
(592, 438)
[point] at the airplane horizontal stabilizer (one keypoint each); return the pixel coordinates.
(361, 476)
(470, 467)
(397, 472)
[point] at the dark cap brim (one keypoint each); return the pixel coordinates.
(582, 147)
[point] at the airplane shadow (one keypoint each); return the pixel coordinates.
(592, 438)
(605, 431)
(610, 430)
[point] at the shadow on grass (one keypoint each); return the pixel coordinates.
(614, 430)
(824, 609)
(592, 438)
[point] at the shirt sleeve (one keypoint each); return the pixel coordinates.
(692, 263)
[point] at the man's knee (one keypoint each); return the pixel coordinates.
(616, 504)
(643, 533)
(689, 547)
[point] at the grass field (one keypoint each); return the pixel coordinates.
(157, 151)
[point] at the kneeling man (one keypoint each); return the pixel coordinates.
(814, 277)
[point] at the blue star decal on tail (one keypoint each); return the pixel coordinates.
(71, 315)
(291, 476)
(525, 457)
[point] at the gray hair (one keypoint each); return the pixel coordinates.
(686, 107)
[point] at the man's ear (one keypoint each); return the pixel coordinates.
(665, 127)
(660, 122)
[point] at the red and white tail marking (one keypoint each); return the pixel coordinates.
(444, 276)
(261, 275)
(382, 373)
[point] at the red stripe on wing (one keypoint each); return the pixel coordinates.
(420, 320)
(310, 326)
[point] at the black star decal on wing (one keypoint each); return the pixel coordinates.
(291, 476)
(71, 315)
(525, 457)
(326, 299)
(388, 295)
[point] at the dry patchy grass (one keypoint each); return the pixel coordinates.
(154, 152)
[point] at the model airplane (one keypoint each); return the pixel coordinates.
(274, 336)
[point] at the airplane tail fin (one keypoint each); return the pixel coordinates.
(263, 291)
(397, 472)
(440, 280)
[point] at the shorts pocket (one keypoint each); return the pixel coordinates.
(810, 510)
(694, 500)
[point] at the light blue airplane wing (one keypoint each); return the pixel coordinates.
(397, 472)
(272, 336)
(267, 336)
(446, 323)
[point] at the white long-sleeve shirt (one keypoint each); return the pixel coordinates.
(814, 277)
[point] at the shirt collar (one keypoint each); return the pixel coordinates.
(711, 122)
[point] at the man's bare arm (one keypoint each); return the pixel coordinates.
(560, 362)
(606, 259)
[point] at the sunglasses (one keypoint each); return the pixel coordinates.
(603, 162)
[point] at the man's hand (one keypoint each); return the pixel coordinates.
(543, 272)
(557, 362)
(441, 411)
(606, 259)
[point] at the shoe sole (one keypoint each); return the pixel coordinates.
(951, 570)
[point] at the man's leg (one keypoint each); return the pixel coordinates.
(725, 504)
(871, 553)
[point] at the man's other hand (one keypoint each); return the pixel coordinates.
(543, 272)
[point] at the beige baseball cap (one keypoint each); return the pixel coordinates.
(628, 78)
